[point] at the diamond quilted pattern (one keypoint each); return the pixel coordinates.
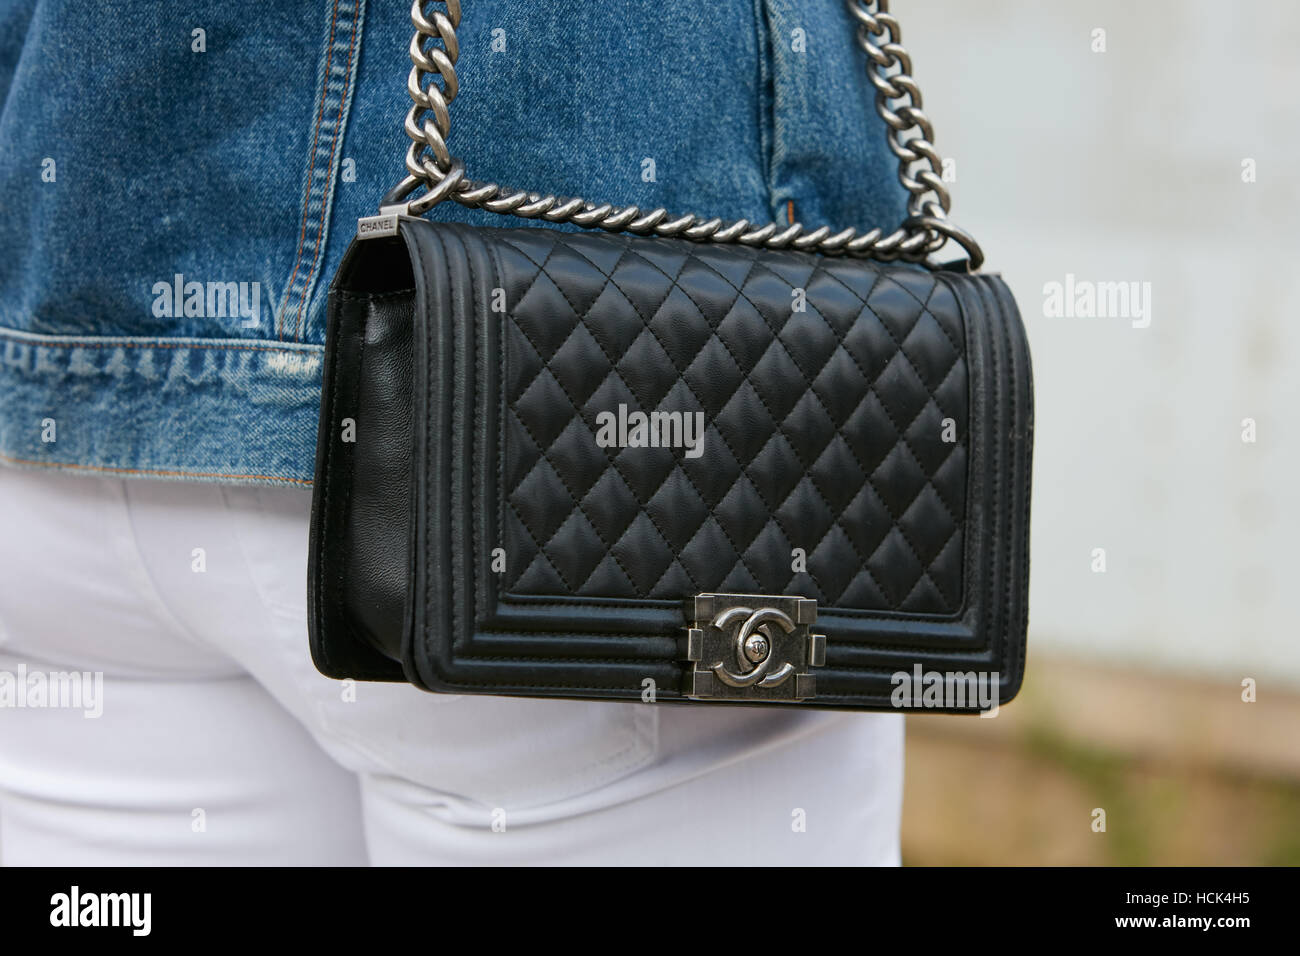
(823, 427)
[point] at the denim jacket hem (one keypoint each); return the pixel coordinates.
(224, 410)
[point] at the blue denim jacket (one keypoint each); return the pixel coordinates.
(179, 183)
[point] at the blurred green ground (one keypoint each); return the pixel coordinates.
(1187, 773)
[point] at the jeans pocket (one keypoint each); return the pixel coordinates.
(558, 749)
(489, 752)
(474, 751)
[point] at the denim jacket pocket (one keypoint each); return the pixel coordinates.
(828, 162)
(335, 83)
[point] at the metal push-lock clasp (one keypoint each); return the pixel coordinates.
(752, 647)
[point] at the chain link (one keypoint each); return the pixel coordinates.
(433, 84)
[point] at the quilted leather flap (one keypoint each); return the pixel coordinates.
(607, 425)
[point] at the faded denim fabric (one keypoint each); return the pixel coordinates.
(176, 201)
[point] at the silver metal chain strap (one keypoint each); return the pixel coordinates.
(433, 84)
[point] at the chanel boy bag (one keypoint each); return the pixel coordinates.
(618, 464)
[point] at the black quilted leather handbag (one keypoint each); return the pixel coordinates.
(626, 465)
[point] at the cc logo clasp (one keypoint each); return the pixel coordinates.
(753, 645)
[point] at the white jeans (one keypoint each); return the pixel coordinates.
(217, 742)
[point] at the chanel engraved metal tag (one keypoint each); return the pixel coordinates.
(752, 647)
(384, 224)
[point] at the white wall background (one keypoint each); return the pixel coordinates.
(1126, 165)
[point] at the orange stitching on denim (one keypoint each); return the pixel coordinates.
(311, 164)
(334, 143)
(148, 471)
